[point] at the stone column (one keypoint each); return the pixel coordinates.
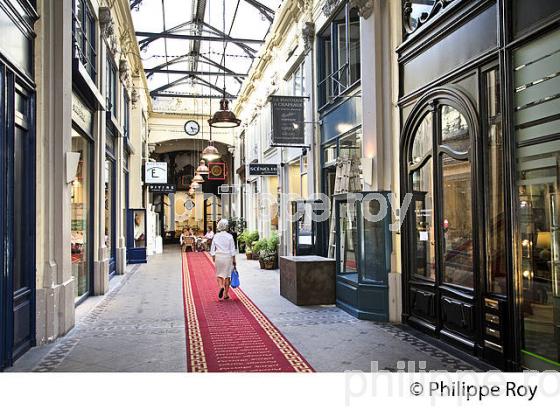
(55, 283)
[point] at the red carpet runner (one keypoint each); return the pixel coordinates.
(229, 335)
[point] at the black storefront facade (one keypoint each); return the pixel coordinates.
(17, 183)
(480, 153)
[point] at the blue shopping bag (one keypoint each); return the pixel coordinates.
(234, 278)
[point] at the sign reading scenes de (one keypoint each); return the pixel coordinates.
(156, 173)
(263, 169)
(287, 121)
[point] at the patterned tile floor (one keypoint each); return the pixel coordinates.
(139, 327)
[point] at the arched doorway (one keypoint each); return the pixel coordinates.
(441, 247)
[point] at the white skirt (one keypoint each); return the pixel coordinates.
(224, 265)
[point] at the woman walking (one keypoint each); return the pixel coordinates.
(223, 254)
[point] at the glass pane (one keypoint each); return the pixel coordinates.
(538, 165)
(294, 179)
(109, 206)
(304, 187)
(539, 233)
(351, 146)
(354, 45)
(376, 235)
(139, 229)
(495, 214)
(423, 140)
(454, 130)
(423, 238)
(329, 153)
(457, 222)
(80, 217)
(348, 238)
(341, 77)
(19, 278)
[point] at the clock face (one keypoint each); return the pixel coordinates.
(192, 128)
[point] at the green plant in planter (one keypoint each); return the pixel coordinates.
(258, 247)
(269, 253)
(241, 241)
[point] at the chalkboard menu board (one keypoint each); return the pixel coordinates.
(287, 121)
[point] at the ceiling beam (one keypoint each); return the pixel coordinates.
(264, 10)
(181, 95)
(135, 3)
(151, 35)
(189, 72)
(248, 50)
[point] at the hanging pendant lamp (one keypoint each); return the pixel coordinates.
(211, 153)
(224, 118)
(198, 179)
(202, 168)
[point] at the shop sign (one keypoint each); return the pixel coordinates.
(216, 171)
(163, 188)
(155, 173)
(263, 169)
(287, 121)
(82, 115)
(227, 189)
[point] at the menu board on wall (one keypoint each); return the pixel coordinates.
(287, 121)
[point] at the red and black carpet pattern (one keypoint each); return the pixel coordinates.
(230, 335)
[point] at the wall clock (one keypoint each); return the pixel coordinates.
(192, 128)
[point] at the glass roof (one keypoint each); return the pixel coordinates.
(178, 66)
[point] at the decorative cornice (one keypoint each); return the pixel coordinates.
(106, 22)
(409, 27)
(330, 6)
(308, 35)
(365, 7)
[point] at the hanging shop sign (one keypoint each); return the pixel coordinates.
(155, 173)
(163, 188)
(82, 115)
(288, 128)
(227, 189)
(263, 170)
(216, 171)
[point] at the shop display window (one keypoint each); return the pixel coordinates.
(363, 239)
(80, 215)
(538, 175)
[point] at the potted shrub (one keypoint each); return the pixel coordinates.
(269, 253)
(241, 241)
(274, 241)
(258, 248)
(250, 239)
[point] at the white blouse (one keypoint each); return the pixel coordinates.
(223, 243)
